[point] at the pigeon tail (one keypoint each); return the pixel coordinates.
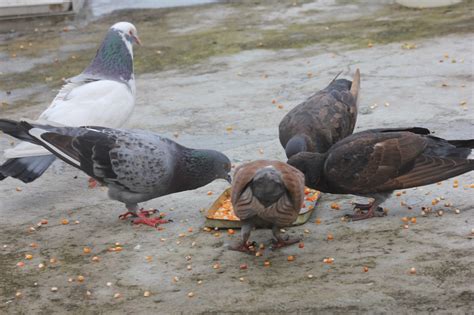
(355, 86)
(14, 129)
(26, 169)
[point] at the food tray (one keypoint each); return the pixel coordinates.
(311, 198)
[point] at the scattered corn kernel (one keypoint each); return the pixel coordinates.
(366, 269)
(117, 295)
(54, 289)
(335, 206)
(28, 256)
(413, 220)
(18, 294)
(413, 270)
(318, 221)
(290, 258)
(80, 278)
(310, 276)
(20, 264)
(86, 250)
(266, 263)
(301, 245)
(216, 266)
(330, 237)
(209, 193)
(64, 221)
(41, 266)
(243, 266)
(190, 294)
(95, 259)
(230, 232)
(146, 293)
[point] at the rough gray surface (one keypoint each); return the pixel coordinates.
(199, 103)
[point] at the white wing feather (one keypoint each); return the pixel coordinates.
(104, 103)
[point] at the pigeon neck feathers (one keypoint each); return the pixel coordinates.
(114, 58)
(196, 168)
(311, 165)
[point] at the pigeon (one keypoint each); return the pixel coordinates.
(268, 192)
(323, 119)
(103, 94)
(376, 162)
(136, 165)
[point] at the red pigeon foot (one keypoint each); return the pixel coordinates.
(144, 219)
(92, 183)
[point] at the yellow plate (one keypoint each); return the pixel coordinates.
(303, 217)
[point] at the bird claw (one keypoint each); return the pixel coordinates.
(143, 218)
(248, 247)
(148, 212)
(279, 243)
(125, 215)
(360, 215)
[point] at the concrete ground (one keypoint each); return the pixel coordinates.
(422, 79)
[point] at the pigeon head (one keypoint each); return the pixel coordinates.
(298, 143)
(114, 58)
(311, 165)
(128, 30)
(204, 166)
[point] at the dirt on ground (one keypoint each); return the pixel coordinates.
(222, 76)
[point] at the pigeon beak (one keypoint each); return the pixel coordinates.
(137, 40)
(229, 179)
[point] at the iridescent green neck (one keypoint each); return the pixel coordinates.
(113, 60)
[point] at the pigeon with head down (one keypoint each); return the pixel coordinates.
(136, 165)
(103, 94)
(374, 163)
(270, 193)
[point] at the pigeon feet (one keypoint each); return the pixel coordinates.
(92, 183)
(282, 242)
(143, 218)
(366, 211)
(244, 247)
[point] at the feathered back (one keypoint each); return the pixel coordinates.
(285, 210)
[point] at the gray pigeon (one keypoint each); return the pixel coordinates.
(103, 95)
(374, 163)
(323, 119)
(270, 193)
(135, 165)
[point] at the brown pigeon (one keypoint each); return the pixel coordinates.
(323, 119)
(268, 192)
(376, 162)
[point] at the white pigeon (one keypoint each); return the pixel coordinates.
(102, 95)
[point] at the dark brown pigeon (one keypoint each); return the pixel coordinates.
(323, 119)
(376, 162)
(268, 192)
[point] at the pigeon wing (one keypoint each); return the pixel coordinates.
(369, 160)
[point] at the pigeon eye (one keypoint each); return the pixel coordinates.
(130, 32)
